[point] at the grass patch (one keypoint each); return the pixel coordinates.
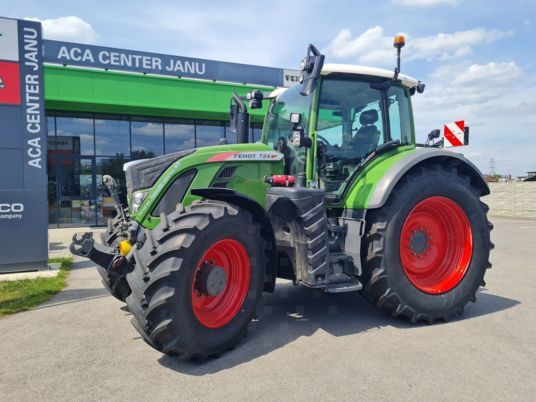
(22, 295)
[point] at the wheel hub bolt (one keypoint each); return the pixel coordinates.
(211, 279)
(419, 242)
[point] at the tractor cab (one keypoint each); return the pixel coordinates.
(351, 113)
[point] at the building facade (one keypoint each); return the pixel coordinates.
(106, 106)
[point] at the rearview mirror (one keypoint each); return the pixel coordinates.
(432, 135)
(255, 98)
(298, 139)
(295, 118)
(310, 68)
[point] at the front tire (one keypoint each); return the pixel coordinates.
(427, 249)
(175, 307)
(114, 282)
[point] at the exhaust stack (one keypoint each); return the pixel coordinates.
(239, 119)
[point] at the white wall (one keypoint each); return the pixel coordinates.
(514, 199)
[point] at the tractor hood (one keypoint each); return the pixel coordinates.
(143, 173)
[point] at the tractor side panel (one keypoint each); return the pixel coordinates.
(360, 191)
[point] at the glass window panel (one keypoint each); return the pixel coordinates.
(208, 133)
(112, 136)
(76, 195)
(256, 132)
(399, 114)
(147, 138)
(51, 125)
(112, 166)
(180, 135)
(278, 117)
(350, 125)
(229, 135)
(77, 212)
(51, 130)
(76, 177)
(52, 193)
(74, 135)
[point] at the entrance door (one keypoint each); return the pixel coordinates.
(76, 191)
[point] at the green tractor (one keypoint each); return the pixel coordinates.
(337, 196)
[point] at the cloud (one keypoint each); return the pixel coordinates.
(372, 46)
(69, 29)
(427, 3)
(517, 109)
(456, 44)
(225, 33)
(495, 98)
(456, 84)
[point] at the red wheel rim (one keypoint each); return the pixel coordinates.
(217, 311)
(436, 245)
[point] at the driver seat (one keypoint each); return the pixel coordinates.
(368, 135)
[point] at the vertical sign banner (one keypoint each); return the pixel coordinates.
(23, 176)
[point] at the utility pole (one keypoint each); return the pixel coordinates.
(492, 167)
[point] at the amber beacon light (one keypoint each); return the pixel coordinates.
(399, 41)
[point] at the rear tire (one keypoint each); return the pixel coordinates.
(168, 309)
(413, 274)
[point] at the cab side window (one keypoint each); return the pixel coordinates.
(400, 123)
(368, 128)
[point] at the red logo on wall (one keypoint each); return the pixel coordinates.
(9, 83)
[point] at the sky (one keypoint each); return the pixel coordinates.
(477, 58)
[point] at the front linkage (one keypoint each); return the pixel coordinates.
(110, 256)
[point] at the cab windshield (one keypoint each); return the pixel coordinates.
(278, 127)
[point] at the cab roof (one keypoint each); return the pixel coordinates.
(330, 68)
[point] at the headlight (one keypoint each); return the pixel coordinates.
(137, 199)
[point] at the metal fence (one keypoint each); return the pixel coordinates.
(513, 199)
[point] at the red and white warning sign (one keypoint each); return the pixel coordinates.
(454, 134)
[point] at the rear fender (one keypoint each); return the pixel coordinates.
(424, 156)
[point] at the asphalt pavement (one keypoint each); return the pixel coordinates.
(308, 346)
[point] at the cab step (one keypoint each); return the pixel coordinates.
(344, 287)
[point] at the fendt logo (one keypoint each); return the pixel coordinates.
(11, 211)
(2, 83)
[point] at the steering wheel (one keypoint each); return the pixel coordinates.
(323, 140)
